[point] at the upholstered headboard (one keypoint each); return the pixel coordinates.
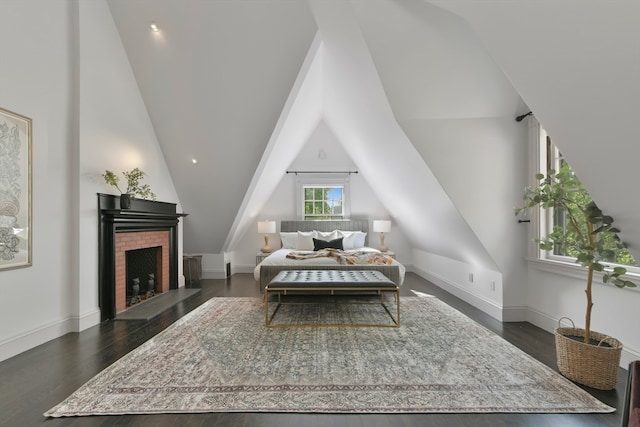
(346, 225)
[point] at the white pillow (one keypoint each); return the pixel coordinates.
(358, 239)
(289, 240)
(347, 239)
(305, 240)
(352, 239)
(327, 235)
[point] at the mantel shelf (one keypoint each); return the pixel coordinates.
(131, 212)
(109, 204)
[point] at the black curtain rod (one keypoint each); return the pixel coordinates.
(321, 172)
(520, 118)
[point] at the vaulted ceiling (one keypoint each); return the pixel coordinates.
(214, 80)
(240, 86)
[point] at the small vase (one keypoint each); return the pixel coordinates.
(125, 201)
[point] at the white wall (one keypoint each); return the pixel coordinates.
(36, 80)
(282, 203)
(479, 162)
(70, 75)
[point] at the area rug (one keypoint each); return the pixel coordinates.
(221, 358)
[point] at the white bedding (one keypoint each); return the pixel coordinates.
(279, 257)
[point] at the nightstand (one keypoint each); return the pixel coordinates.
(390, 254)
(260, 256)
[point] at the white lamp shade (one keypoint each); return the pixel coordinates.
(266, 227)
(381, 226)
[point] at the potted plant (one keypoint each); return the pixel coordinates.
(585, 356)
(134, 187)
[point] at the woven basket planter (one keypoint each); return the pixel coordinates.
(595, 366)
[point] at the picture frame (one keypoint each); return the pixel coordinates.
(16, 233)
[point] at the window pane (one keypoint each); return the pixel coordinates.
(323, 202)
(308, 193)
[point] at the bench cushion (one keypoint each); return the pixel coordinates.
(301, 279)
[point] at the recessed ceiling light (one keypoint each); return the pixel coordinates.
(154, 27)
(194, 161)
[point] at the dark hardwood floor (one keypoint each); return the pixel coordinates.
(38, 379)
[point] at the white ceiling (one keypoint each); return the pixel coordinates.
(230, 82)
(214, 81)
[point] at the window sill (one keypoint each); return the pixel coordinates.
(576, 271)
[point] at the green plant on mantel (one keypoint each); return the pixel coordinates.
(589, 235)
(134, 187)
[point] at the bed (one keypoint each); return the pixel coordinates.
(278, 261)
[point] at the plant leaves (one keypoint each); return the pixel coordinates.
(619, 271)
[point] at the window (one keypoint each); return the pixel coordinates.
(551, 158)
(323, 202)
(322, 198)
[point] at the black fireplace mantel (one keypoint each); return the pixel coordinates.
(144, 215)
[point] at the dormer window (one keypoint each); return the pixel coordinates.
(551, 158)
(319, 197)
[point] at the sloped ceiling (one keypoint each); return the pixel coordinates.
(576, 64)
(353, 104)
(232, 83)
(214, 79)
(241, 85)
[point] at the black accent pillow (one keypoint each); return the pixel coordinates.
(324, 244)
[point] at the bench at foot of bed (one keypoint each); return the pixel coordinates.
(332, 282)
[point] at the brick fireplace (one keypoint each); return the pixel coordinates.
(147, 224)
(133, 241)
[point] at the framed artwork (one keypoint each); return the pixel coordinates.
(15, 190)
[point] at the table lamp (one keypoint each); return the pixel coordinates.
(266, 228)
(381, 226)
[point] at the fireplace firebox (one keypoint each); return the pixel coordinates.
(141, 266)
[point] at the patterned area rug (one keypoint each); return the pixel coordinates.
(221, 358)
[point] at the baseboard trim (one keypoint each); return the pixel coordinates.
(489, 307)
(514, 314)
(80, 323)
(33, 338)
(542, 320)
